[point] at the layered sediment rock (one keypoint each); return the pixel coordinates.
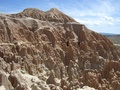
(51, 51)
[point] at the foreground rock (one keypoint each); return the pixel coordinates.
(51, 51)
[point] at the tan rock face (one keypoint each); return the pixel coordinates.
(4, 81)
(51, 51)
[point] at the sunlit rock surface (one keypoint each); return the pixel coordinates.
(51, 51)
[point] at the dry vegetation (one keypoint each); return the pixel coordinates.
(115, 40)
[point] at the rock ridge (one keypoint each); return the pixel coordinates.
(52, 15)
(51, 51)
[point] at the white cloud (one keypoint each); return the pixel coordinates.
(89, 22)
(110, 23)
(96, 8)
(118, 20)
(108, 18)
(96, 21)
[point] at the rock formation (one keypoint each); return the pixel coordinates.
(51, 51)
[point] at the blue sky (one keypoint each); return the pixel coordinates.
(97, 15)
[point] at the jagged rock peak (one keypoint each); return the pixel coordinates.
(33, 13)
(32, 10)
(55, 15)
(52, 15)
(54, 9)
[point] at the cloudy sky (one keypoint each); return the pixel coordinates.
(97, 15)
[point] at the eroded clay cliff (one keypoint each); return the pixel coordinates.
(51, 51)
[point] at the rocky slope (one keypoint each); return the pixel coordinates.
(51, 51)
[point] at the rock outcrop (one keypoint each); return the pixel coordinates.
(51, 51)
